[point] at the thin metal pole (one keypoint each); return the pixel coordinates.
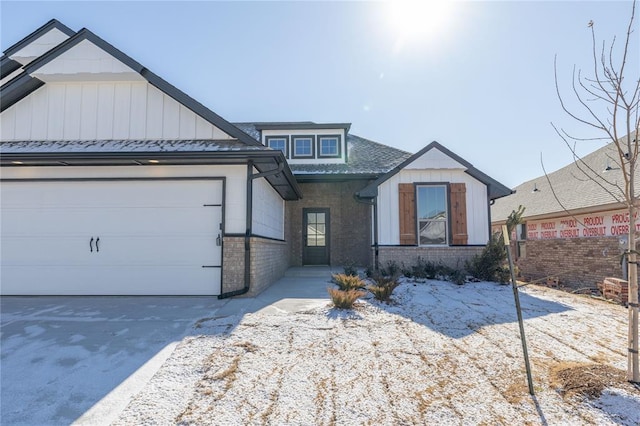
(514, 286)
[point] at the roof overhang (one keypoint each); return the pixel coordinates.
(335, 177)
(302, 126)
(284, 182)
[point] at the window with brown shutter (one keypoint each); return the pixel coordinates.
(434, 223)
(407, 197)
(458, 202)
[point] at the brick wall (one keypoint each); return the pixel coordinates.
(577, 262)
(350, 225)
(454, 257)
(269, 262)
(233, 264)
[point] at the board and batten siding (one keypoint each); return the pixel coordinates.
(103, 111)
(235, 184)
(476, 203)
(268, 211)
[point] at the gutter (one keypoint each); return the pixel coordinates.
(374, 203)
(249, 226)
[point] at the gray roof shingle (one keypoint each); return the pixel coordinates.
(364, 156)
(582, 184)
(163, 145)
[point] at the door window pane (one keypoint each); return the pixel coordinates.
(316, 230)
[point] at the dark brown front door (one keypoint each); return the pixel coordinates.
(315, 236)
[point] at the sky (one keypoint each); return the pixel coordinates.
(476, 76)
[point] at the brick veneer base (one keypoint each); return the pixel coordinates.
(454, 257)
(233, 264)
(269, 262)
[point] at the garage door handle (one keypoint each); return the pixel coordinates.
(97, 246)
(219, 240)
(91, 245)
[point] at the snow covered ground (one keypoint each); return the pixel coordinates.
(440, 354)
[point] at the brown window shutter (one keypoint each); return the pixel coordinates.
(458, 201)
(407, 197)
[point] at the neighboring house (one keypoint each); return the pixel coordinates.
(115, 182)
(581, 241)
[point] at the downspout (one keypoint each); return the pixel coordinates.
(249, 226)
(489, 204)
(374, 203)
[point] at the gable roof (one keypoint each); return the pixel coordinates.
(494, 188)
(8, 65)
(581, 185)
(52, 24)
(23, 86)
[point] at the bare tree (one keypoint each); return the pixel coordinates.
(607, 102)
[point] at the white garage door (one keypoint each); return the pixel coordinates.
(123, 237)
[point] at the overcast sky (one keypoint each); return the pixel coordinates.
(478, 76)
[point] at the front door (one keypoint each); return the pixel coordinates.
(315, 243)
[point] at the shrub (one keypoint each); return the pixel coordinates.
(490, 264)
(350, 269)
(383, 287)
(457, 276)
(391, 269)
(369, 272)
(407, 271)
(347, 282)
(344, 299)
(425, 269)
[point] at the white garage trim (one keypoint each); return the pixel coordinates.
(120, 236)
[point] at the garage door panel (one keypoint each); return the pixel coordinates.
(131, 193)
(153, 236)
(89, 222)
(103, 280)
(112, 250)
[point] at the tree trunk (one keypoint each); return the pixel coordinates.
(633, 374)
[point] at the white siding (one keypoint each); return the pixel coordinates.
(102, 110)
(235, 199)
(268, 211)
(87, 60)
(39, 46)
(388, 208)
(435, 159)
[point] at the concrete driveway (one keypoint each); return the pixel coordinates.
(60, 356)
(81, 359)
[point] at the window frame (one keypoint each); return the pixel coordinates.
(268, 140)
(295, 138)
(338, 139)
(446, 220)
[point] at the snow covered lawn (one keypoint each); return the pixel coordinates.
(440, 354)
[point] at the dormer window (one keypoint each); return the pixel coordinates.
(279, 142)
(303, 146)
(329, 146)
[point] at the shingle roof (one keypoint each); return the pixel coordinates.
(164, 145)
(494, 188)
(572, 185)
(364, 156)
